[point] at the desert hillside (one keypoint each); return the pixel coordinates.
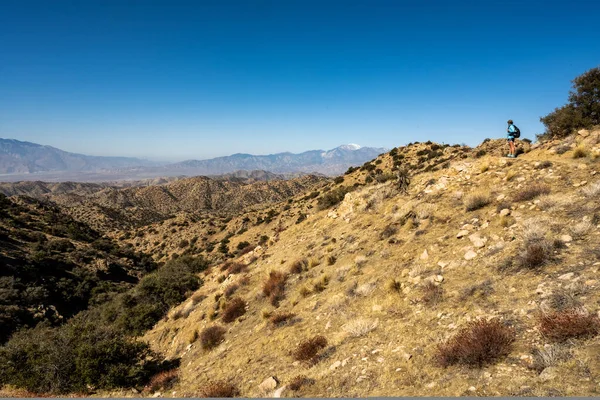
(384, 292)
(431, 270)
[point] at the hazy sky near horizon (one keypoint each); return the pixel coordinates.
(197, 79)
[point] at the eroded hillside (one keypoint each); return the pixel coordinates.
(369, 296)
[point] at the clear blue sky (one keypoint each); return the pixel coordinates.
(198, 79)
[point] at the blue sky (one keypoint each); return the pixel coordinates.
(196, 79)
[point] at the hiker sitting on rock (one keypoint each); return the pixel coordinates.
(513, 133)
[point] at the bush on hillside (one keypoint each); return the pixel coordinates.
(333, 197)
(562, 325)
(308, 350)
(212, 337)
(73, 358)
(478, 343)
(582, 111)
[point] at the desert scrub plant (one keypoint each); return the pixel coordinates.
(548, 356)
(163, 380)
(274, 287)
(432, 293)
(544, 164)
(531, 192)
(233, 309)
(235, 267)
(580, 152)
(360, 327)
(308, 350)
(278, 319)
(591, 190)
(476, 201)
(581, 229)
(230, 290)
(394, 285)
(297, 382)
(478, 343)
(321, 284)
(194, 336)
(299, 266)
(220, 389)
(535, 253)
(568, 324)
(331, 260)
(333, 197)
(388, 231)
(212, 337)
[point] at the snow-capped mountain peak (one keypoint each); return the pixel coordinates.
(351, 146)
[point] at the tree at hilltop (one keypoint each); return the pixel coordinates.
(582, 111)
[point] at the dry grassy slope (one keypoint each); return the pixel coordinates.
(397, 357)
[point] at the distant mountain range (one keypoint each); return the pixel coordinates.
(26, 161)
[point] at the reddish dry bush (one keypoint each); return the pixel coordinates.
(163, 380)
(535, 254)
(230, 290)
(432, 293)
(220, 389)
(298, 266)
(478, 343)
(562, 325)
(279, 318)
(212, 336)
(234, 308)
(532, 191)
(309, 349)
(274, 287)
(299, 381)
(236, 268)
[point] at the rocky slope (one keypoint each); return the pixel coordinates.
(388, 277)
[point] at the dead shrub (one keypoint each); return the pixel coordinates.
(281, 318)
(236, 268)
(580, 152)
(299, 266)
(534, 254)
(548, 356)
(220, 389)
(432, 293)
(163, 380)
(388, 232)
(234, 309)
(309, 349)
(212, 336)
(544, 164)
(567, 324)
(331, 260)
(274, 287)
(532, 191)
(483, 290)
(478, 343)
(230, 290)
(475, 201)
(299, 381)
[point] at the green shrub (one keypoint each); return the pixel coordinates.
(334, 197)
(582, 111)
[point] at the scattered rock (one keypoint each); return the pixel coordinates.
(548, 374)
(268, 384)
(424, 255)
(462, 233)
(504, 212)
(335, 365)
(567, 276)
(278, 392)
(156, 394)
(469, 255)
(477, 240)
(566, 238)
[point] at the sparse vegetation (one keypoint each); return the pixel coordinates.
(281, 318)
(478, 200)
(212, 337)
(233, 309)
(567, 324)
(432, 293)
(220, 389)
(478, 343)
(308, 350)
(274, 287)
(532, 191)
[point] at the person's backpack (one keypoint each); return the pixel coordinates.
(517, 132)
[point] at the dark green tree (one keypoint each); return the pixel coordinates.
(582, 111)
